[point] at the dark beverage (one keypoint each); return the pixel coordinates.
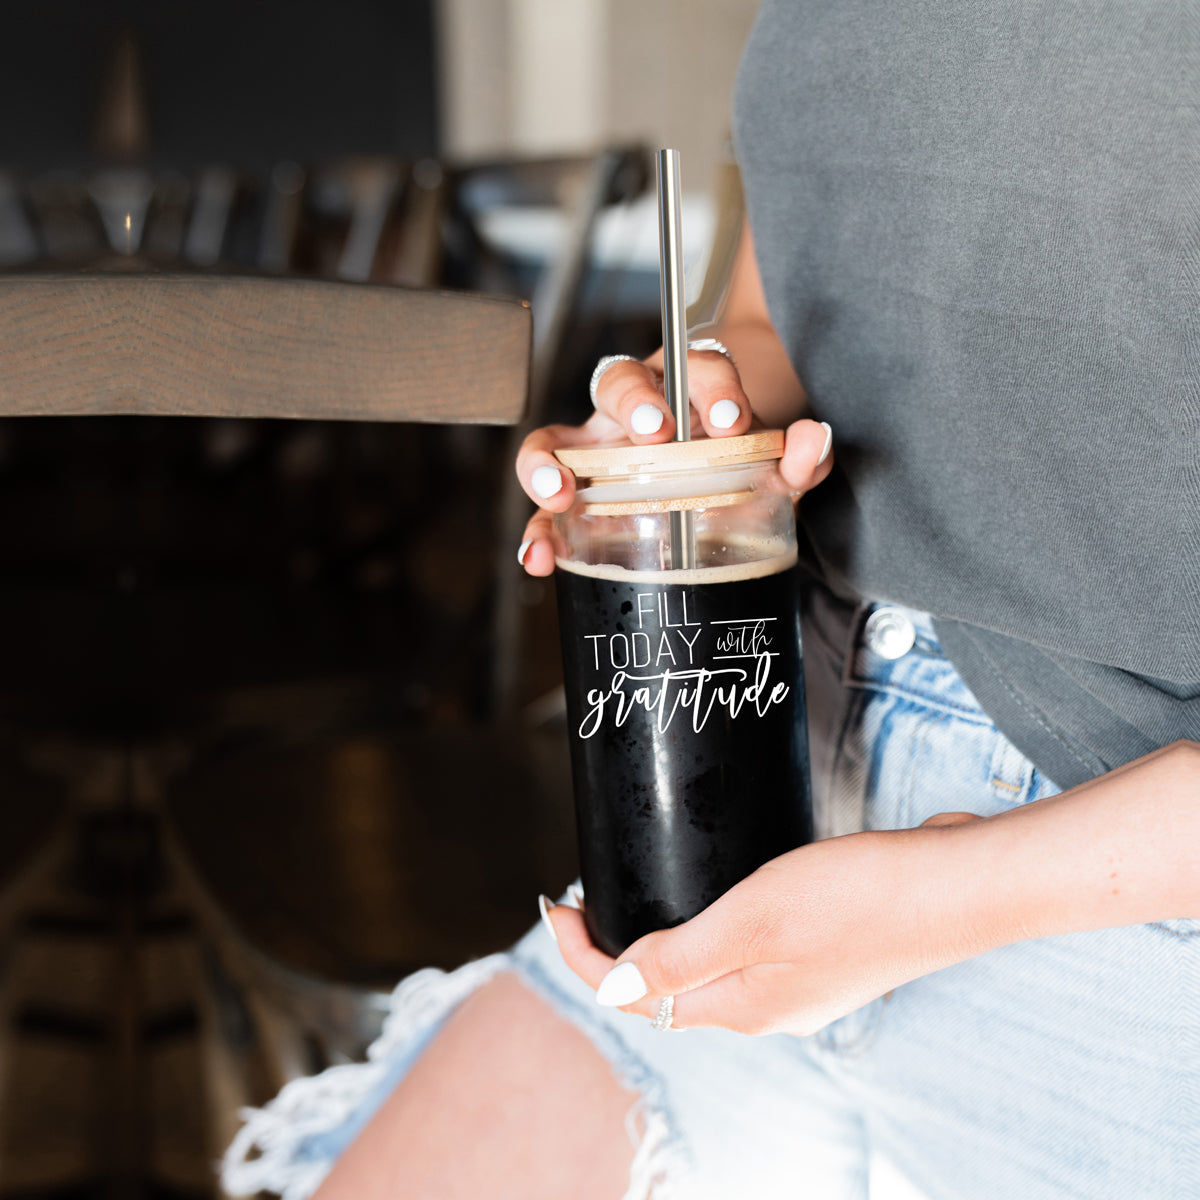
(689, 743)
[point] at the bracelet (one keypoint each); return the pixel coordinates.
(712, 344)
(609, 360)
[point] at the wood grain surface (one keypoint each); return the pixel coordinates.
(207, 345)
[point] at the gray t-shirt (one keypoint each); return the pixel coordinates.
(978, 228)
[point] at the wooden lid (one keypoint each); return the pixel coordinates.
(620, 458)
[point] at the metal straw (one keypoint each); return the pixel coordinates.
(674, 326)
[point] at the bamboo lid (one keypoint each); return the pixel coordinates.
(620, 458)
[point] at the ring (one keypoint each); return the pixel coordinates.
(712, 344)
(609, 360)
(666, 1014)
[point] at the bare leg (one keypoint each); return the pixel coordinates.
(509, 1101)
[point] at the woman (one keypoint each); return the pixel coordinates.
(973, 258)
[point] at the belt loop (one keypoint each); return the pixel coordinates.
(854, 640)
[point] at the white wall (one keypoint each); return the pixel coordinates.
(551, 76)
(474, 66)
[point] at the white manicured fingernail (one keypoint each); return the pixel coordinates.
(522, 548)
(646, 418)
(576, 895)
(828, 442)
(544, 906)
(546, 481)
(724, 414)
(622, 985)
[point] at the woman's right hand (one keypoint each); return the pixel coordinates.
(630, 405)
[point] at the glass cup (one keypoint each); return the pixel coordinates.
(678, 602)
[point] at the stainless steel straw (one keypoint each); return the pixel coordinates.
(674, 327)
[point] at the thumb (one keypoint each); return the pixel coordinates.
(939, 820)
(730, 934)
(807, 456)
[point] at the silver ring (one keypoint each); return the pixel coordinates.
(712, 344)
(666, 1014)
(607, 361)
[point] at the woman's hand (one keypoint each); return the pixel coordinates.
(630, 404)
(807, 938)
(818, 932)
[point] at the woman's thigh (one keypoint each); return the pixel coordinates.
(1060, 1067)
(509, 1100)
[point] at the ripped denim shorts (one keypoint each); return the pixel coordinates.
(1062, 1067)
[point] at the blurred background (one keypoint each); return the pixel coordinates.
(257, 83)
(280, 718)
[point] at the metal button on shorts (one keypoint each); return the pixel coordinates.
(889, 633)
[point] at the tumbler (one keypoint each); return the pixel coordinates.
(683, 674)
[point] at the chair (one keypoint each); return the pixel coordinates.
(578, 190)
(121, 339)
(253, 831)
(136, 343)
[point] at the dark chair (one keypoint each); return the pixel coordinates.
(293, 838)
(121, 340)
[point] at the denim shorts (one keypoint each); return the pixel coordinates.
(1062, 1067)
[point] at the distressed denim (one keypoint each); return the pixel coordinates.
(1067, 1067)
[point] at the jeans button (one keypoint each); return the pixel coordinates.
(889, 633)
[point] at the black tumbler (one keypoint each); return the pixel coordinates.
(683, 675)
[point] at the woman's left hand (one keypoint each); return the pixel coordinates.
(807, 938)
(817, 932)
